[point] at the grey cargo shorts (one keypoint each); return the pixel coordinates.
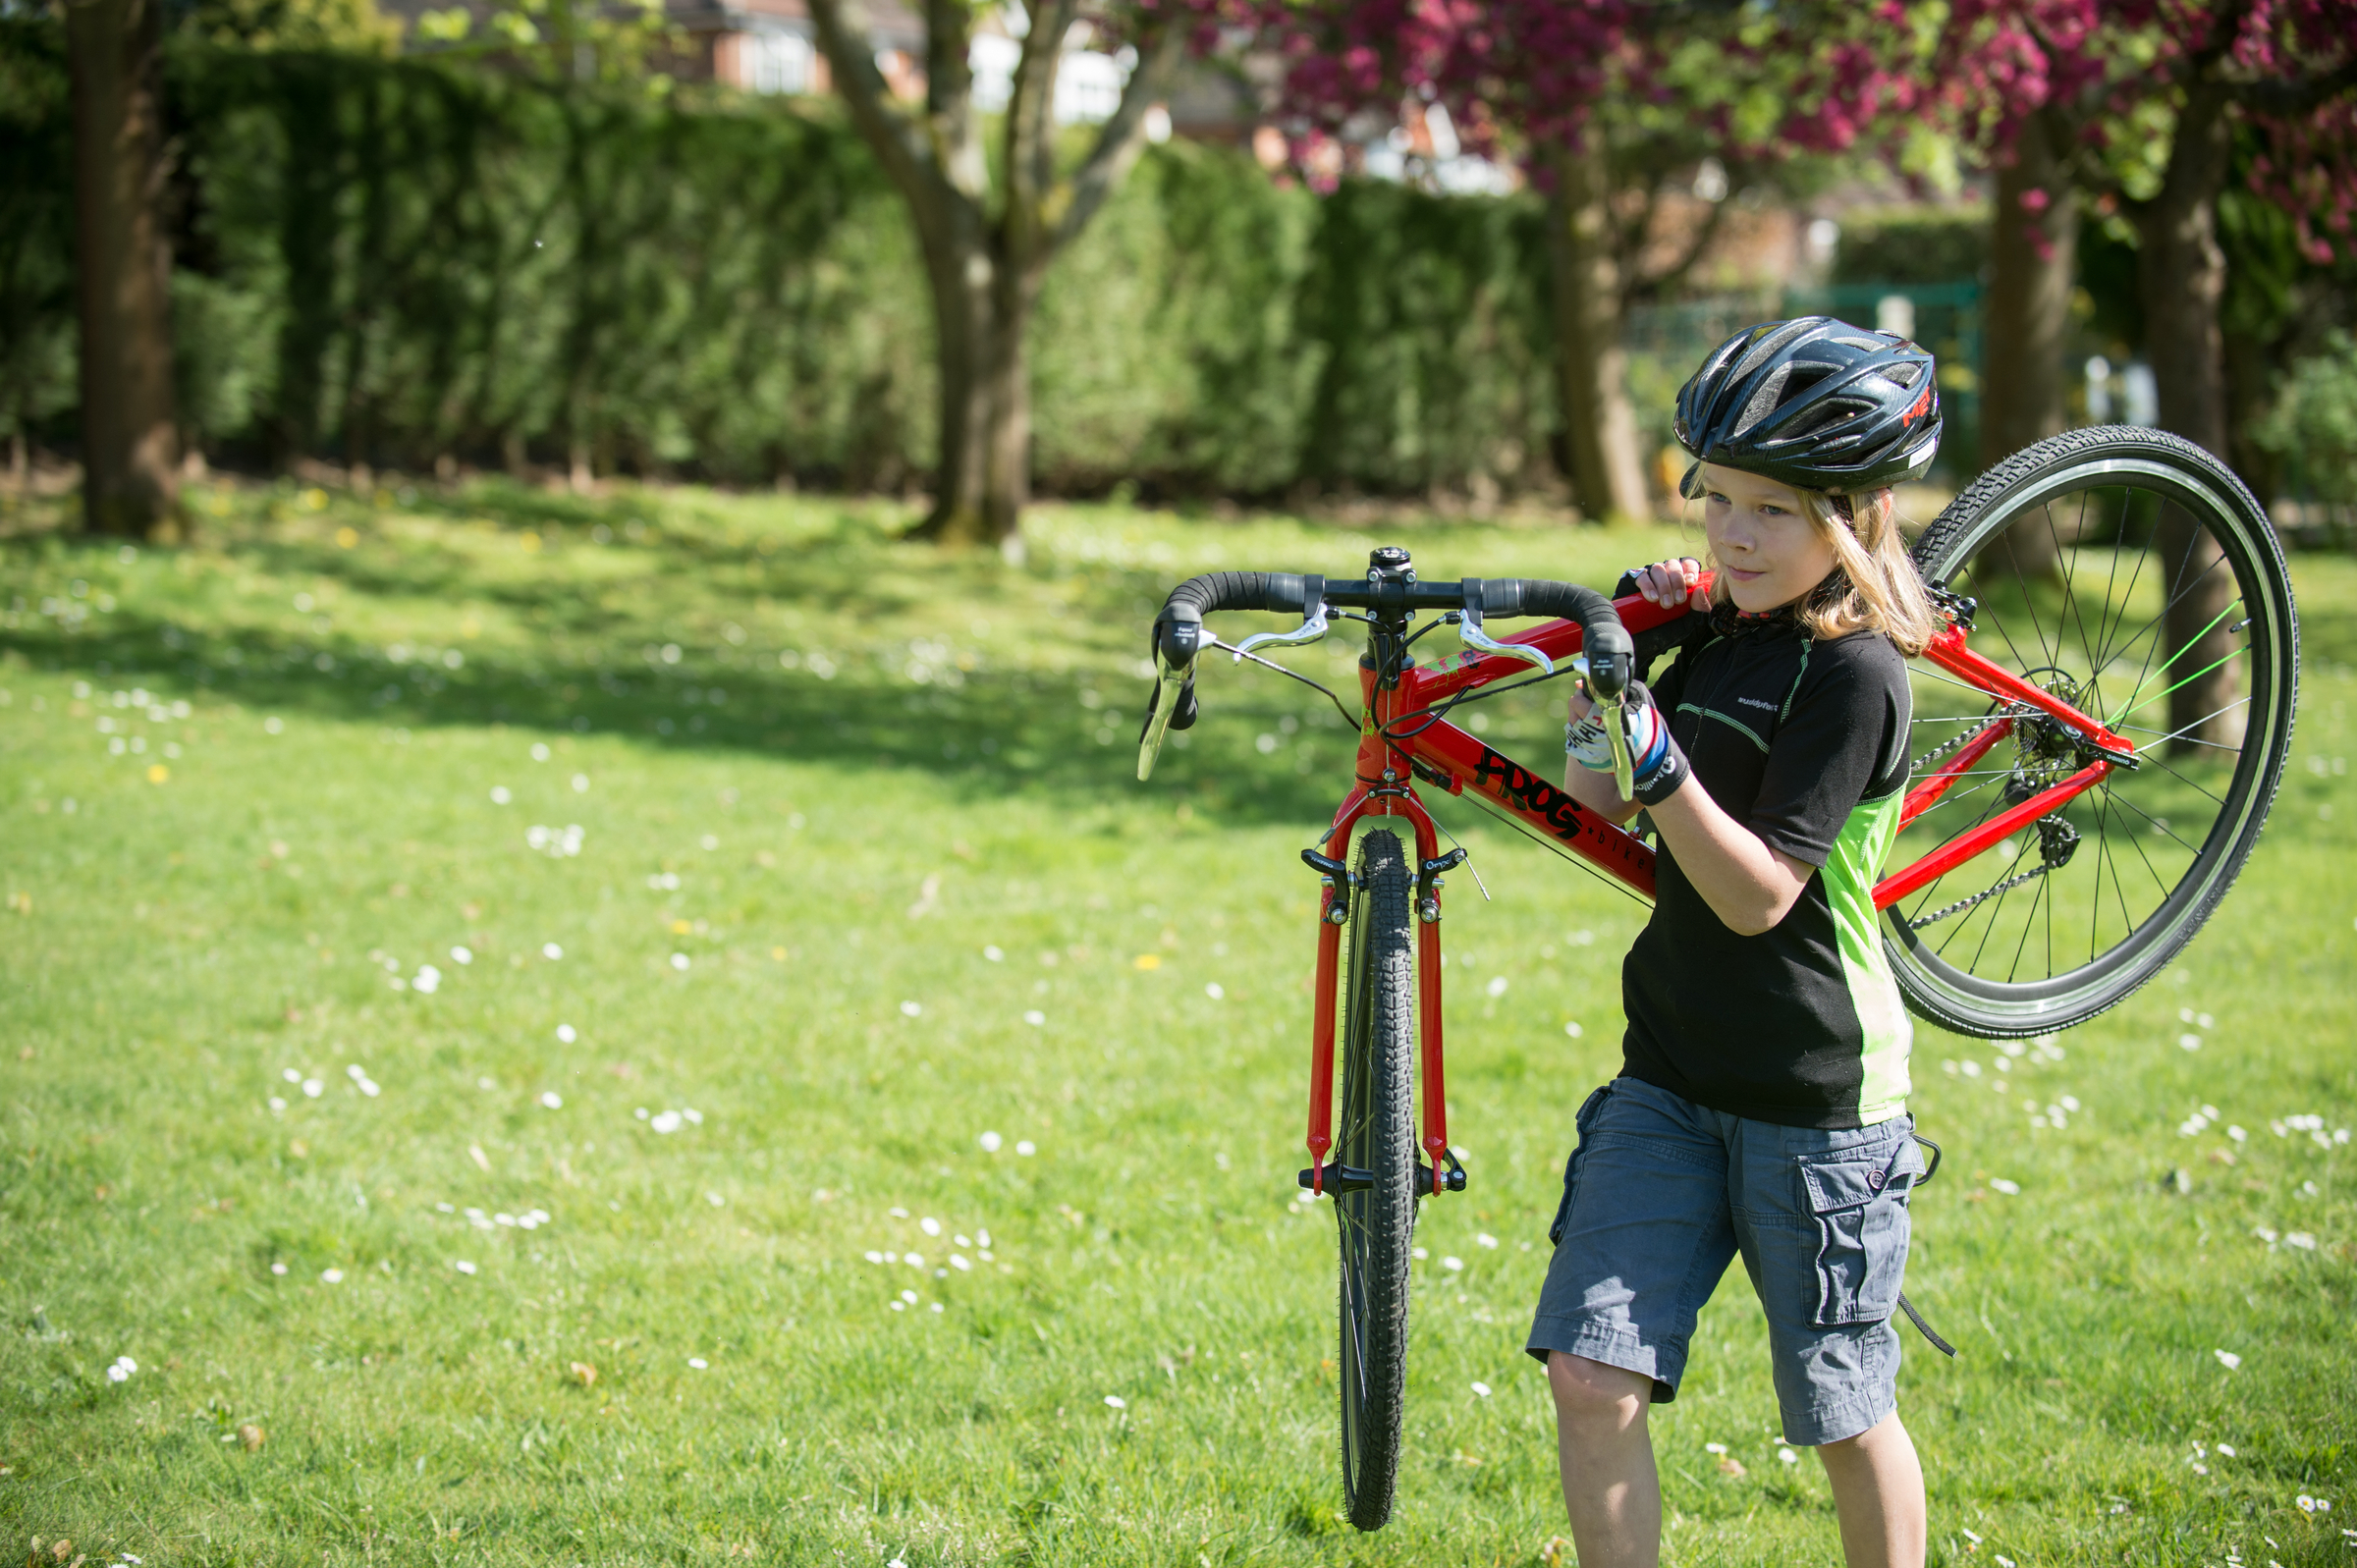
(1661, 1193)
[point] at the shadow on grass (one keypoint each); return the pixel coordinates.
(634, 639)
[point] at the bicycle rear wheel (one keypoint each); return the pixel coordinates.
(2129, 573)
(1377, 1136)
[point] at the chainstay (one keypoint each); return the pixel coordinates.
(2045, 865)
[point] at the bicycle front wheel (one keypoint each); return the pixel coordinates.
(2130, 573)
(1377, 1138)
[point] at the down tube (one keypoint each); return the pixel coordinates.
(1546, 807)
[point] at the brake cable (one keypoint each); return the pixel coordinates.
(1296, 675)
(1434, 715)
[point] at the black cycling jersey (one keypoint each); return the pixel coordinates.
(1804, 743)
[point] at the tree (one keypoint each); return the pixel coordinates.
(2137, 103)
(989, 226)
(122, 265)
(2033, 253)
(1348, 58)
(1609, 104)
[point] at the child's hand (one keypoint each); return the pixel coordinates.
(1668, 582)
(1665, 582)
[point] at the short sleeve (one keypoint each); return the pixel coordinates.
(1671, 689)
(1834, 747)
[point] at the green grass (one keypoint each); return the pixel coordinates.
(945, 769)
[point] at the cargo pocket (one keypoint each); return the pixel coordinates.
(1580, 1125)
(1859, 1201)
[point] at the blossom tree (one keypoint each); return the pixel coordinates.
(1605, 103)
(2137, 104)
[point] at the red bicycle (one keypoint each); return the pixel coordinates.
(2062, 841)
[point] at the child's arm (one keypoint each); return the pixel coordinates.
(1748, 886)
(1663, 583)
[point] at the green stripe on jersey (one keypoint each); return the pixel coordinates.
(1883, 1022)
(1748, 733)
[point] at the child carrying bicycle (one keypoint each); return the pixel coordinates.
(1761, 1105)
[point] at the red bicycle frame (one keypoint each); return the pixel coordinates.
(1435, 751)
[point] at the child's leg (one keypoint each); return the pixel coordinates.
(1610, 1488)
(1823, 1231)
(1878, 1490)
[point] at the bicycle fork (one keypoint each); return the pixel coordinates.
(1441, 1171)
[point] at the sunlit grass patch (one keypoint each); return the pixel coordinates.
(801, 1162)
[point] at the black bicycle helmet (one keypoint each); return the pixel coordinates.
(1814, 403)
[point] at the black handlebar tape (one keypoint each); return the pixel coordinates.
(1611, 655)
(1178, 629)
(1197, 597)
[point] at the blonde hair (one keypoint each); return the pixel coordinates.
(1880, 589)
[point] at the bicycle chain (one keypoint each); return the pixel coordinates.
(1955, 744)
(2057, 840)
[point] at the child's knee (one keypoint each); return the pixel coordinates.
(1585, 1389)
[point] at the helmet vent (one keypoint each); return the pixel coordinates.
(1815, 402)
(1764, 401)
(1810, 421)
(1770, 346)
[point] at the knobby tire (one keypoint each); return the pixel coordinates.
(2158, 847)
(1376, 1225)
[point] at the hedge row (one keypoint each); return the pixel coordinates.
(395, 263)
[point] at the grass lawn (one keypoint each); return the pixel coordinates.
(470, 1027)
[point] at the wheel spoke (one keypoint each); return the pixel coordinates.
(2173, 774)
(2176, 596)
(2028, 925)
(2103, 617)
(2136, 843)
(2069, 560)
(2119, 892)
(2104, 856)
(2135, 576)
(2163, 826)
(2163, 739)
(2125, 644)
(1997, 620)
(2029, 599)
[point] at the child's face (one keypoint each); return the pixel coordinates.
(1764, 542)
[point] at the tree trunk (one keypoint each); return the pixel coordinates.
(1599, 428)
(986, 259)
(2181, 277)
(1007, 381)
(982, 478)
(123, 266)
(2033, 252)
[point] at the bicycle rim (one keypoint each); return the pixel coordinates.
(1377, 1136)
(2130, 572)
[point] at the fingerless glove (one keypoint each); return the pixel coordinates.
(1658, 766)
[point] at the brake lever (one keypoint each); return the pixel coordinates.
(1312, 627)
(1170, 690)
(1615, 731)
(1468, 631)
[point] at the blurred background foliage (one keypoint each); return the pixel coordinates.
(429, 264)
(406, 263)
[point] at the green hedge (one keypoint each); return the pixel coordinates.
(393, 261)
